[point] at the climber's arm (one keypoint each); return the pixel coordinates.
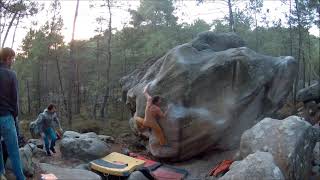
(160, 113)
(146, 94)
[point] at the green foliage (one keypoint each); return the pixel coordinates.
(155, 13)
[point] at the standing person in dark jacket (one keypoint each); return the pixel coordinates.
(9, 111)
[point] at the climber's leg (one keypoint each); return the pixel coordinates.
(139, 122)
(159, 134)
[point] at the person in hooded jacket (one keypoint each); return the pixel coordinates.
(45, 124)
(9, 110)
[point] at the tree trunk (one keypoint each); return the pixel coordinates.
(39, 88)
(299, 50)
(304, 69)
(9, 27)
(231, 20)
(319, 46)
(256, 24)
(95, 106)
(60, 80)
(15, 30)
(28, 96)
(290, 30)
(72, 68)
(78, 84)
(109, 58)
(1, 27)
(309, 60)
(46, 89)
(257, 46)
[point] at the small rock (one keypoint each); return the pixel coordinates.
(137, 175)
(37, 142)
(309, 93)
(107, 139)
(125, 151)
(316, 170)
(124, 135)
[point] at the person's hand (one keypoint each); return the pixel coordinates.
(145, 89)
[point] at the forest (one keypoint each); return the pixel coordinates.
(82, 76)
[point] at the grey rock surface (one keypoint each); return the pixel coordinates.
(291, 142)
(26, 154)
(67, 173)
(216, 88)
(83, 166)
(137, 175)
(259, 165)
(309, 93)
(85, 147)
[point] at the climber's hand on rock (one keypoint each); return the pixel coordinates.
(146, 88)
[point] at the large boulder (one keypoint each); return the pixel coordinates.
(291, 142)
(85, 147)
(216, 89)
(259, 165)
(67, 173)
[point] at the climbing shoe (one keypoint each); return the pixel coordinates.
(53, 150)
(48, 153)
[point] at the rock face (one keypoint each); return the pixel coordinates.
(216, 89)
(291, 142)
(259, 165)
(85, 147)
(67, 173)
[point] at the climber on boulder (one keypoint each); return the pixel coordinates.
(153, 114)
(46, 127)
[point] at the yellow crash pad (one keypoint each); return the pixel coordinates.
(116, 164)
